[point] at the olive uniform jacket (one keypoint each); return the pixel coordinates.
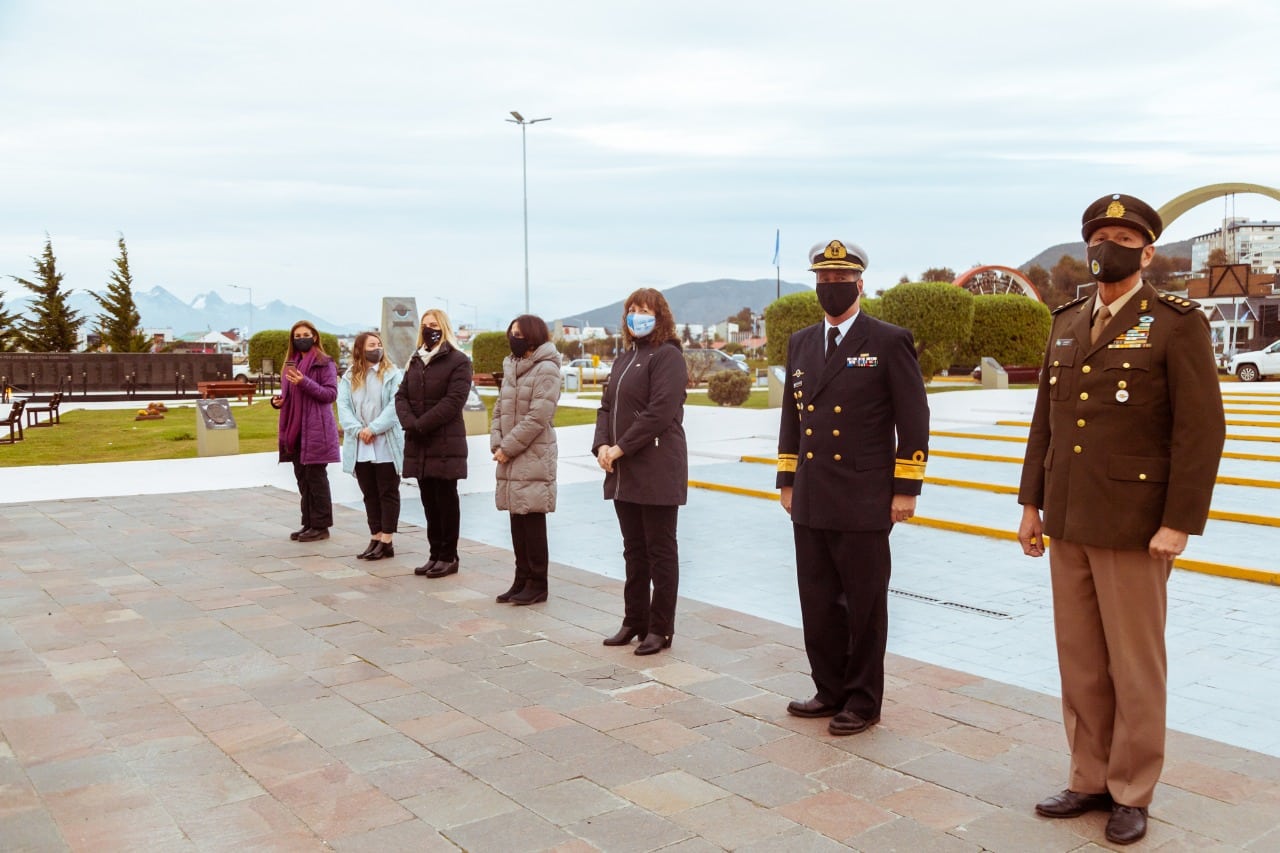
(855, 428)
(1128, 432)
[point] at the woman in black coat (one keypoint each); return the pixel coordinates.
(429, 405)
(640, 444)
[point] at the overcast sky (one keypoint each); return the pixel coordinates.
(328, 154)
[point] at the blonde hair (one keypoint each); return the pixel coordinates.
(360, 365)
(446, 328)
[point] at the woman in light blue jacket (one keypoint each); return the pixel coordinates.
(373, 440)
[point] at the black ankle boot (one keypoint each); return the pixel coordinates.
(516, 586)
(624, 636)
(381, 550)
(532, 593)
(364, 555)
(652, 644)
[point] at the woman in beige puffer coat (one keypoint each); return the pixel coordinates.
(523, 441)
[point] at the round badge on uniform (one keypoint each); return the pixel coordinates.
(1122, 396)
(1095, 268)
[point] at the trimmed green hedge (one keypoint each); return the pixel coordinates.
(488, 349)
(1008, 327)
(274, 344)
(939, 315)
(785, 316)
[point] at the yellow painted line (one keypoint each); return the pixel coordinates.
(1238, 395)
(980, 457)
(1023, 439)
(1252, 411)
(1253, 457)
(759, 460)
(1200, 566)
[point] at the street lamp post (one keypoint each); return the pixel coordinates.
(475, 315)
(524, 184)
(447, 309)
(249, 327)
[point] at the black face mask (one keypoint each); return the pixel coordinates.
(431, 337)
(303, 344)
(519, 346)
(373, 356)
(837, 297)
(1110, 262)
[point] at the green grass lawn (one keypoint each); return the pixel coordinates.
(112, 435)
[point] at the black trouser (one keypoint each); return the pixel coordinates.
(444, 517)
(652, 557)
(313, 486)
(529, 541)
(380, 485)
(843, 577)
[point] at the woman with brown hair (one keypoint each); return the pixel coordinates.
(640, 445)
(429, 405)
(308, 433)
(372, 439)
(523, 441)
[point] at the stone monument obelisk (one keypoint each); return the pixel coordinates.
(399, 328)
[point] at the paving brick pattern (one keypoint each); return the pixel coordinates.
(175, 674)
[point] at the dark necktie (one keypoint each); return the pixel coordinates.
(833, 332)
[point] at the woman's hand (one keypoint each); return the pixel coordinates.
(607, 456)
(366, 435)
(277, 401)
(499, 456)
(293, 375)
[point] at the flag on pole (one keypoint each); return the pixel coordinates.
(777, 244)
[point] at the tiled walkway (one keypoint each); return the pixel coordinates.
(175, 674)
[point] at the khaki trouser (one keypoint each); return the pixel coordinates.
(1109, 617)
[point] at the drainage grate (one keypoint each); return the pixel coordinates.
(968, 608)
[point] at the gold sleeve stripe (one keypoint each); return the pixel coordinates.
(910, 469)
(787, 463)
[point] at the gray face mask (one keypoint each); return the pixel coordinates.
(373, 356)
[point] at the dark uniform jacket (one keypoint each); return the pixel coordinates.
(855, 429)
(429, 406)
(1127, 432)
(642, 412)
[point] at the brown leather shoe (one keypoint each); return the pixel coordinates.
(849, 723)
(814, 707)
(1127, 824)
(1073, 804)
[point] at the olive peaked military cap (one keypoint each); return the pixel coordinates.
(1120, 209)
(837, 255)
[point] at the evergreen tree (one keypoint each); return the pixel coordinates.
(54, 326)
(8, 328)
(119, 322)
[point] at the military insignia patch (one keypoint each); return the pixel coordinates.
(1139, 337)
(862, 360)
(1115, 210)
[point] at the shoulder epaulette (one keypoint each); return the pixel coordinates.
(1178, 303)
(1070, 304)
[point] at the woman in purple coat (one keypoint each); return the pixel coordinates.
(308, 430)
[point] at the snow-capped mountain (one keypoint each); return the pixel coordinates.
(160, 309)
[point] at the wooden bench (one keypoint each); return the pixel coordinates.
(227, 388)
(14, 419)
(50, 409)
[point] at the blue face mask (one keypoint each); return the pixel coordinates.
(641, 324)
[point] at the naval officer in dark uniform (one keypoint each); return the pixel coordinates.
(1123, 452)
(851, 459)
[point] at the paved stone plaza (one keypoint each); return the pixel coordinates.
(175, 674)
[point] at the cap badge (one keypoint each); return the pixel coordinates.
(1115, 210)
(835, 251)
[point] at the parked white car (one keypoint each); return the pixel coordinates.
(590, 372)
(1252, 366)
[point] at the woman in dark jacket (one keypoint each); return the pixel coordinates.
(308, 431)
(640, 444)
(429, 406)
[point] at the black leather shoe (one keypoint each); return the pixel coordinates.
(531, 594)
(849, 723)
(313, 534)
(652, 644)
(364, 555)
(814, 707)
(1127, 824)
(295, 534)
(516, 586)
(442, 568)
(426, 567)
(383, 549)
(1073, 804)
(624, 636)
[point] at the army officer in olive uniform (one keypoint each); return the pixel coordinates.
(851, 459)
(1123, 452)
